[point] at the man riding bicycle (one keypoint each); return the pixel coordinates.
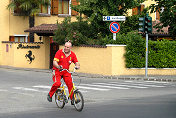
(62, 60)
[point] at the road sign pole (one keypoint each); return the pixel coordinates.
(146, 60)
(114, 36)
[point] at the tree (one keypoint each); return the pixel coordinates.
(167, 15)
(28, 8)
(94, 10)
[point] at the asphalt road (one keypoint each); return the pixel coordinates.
(23, 95)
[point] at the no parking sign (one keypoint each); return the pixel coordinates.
(114, 27)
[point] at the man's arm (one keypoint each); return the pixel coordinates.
(77, 65)
(57, 65)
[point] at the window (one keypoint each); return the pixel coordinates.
(62, 7)
(43, 9)
(137, 10)
(17, 10)
(19, 38)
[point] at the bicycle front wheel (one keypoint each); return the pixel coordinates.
(78, 100)
(59, 98)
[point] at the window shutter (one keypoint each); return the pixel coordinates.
(12, 38)
(73, 12)
(157, 15)
(28, 39)
(54, 7)
(135, 11)
(142, 8)
(17, 10)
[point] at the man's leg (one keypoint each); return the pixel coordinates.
(68, 82)
(57, 83)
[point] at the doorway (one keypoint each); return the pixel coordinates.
(54, 47)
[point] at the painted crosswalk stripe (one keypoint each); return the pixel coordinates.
(3, 90)
(42, 86)
(104, 86)
(149, 82)
(130, 86)
(26, 89)
(149, 85)
(91, 88)
(140, 84)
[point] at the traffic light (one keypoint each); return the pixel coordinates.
(148, 24)
(141, 24)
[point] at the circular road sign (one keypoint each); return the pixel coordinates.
(114, 27)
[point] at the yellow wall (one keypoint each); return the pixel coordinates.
(93, 60)
(16, 57)
(110, 61)
(4, 24)
(104, 61)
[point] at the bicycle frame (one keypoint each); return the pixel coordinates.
(62, 87)
(63, 90)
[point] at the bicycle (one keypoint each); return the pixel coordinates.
(61, 98)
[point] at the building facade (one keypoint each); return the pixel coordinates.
(12, 26)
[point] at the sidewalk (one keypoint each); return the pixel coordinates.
(167, 78)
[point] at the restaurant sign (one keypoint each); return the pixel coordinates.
(27, 47)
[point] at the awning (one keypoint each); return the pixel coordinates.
(43, 29)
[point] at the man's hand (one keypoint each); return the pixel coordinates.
(60, 67)
(77, 66)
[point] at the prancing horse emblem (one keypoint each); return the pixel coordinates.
(29, 56)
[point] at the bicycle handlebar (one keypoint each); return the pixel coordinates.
(68, 70)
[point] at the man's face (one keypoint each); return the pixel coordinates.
(67, 47)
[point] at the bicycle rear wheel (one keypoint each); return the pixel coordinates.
(78, 100)
(59, 99)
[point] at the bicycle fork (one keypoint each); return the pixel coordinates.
(64, 95)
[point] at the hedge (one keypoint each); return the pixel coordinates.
(162, 54)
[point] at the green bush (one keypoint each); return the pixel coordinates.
(77, 32)
(162, 54)
(135, 52)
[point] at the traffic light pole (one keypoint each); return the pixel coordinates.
(145, 26)
(146, 56)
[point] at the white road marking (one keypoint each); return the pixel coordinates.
(104, 86)
(140, 84)
(28, 89)
(121, 85)
(3, 90)
(91, 88)
(149, 82)
(42, 86)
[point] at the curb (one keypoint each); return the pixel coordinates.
(100, 76)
